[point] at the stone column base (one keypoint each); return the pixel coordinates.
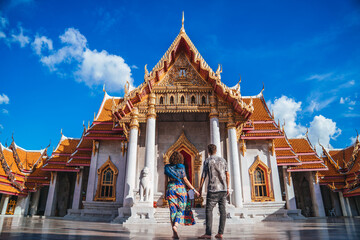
(140, 213)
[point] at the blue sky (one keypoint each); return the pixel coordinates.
(55, 57)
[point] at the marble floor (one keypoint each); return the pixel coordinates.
(38, 228)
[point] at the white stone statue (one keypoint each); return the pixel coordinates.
(145, 185)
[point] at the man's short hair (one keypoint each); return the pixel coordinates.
(212, 149)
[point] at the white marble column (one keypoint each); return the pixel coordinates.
(52, 195)
(214, 126)
(131, 160)
(342, 204)
(348, 207)
(34, 202)
(234, 159)
(275, 179)
(150, 143)
(318, 205)
(289, 190)
(4, 203)
(22, 205)
(77, 190)
(92, 183)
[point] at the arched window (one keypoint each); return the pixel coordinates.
(172, 100)
(203, 100)
(106, 188)
(193, 100)
(161, 100)
(260, 182)
(182, 100)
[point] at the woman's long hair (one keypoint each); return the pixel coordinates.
(176, 158)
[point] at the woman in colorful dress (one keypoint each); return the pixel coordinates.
(176, 194)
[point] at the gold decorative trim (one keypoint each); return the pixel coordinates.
(267, 172)
(243, 147)
(231, 123)
(213, 107)
(151, 106)
(134, 123)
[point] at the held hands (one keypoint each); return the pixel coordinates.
(197, 194)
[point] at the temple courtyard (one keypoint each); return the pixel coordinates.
(58, 228)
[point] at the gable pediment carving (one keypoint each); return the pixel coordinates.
(182, 75)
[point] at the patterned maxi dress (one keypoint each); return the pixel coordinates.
(176, 194)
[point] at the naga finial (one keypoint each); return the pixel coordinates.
(307, 132)
(182, 23)
(61, 132)
(219, 70)
(262, 90)
(146, 72)
(104, 88)
(126, 88)
(238, 84)
(357, 136)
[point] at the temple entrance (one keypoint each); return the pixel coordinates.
(188, 165)
(192, 161)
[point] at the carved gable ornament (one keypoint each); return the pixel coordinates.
(182, 73)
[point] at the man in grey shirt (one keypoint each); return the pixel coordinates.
(215, 168)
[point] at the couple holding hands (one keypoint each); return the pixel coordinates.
(215, 168)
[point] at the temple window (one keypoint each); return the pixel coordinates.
(106, 182)
(161, 100)
(260, 182)
(203, 100)
(172, 100)
(193, 100)
(182, 101)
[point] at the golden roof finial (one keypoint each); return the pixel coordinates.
(61, 132)
(104, 88)
(182, 23)
(357, 136)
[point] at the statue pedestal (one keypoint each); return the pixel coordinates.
(139, 213)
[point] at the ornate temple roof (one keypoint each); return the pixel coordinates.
(307, 155)
(182, 44)
(61, 155)
(344, 169)
(20, 170)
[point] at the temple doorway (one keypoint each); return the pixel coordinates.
(192, 161)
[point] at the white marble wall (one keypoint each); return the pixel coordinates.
(113, 149)
(253, 149)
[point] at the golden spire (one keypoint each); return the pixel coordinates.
(182, 23)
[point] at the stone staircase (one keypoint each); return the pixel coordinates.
(162, 215)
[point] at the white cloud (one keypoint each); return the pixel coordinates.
(98, 68)
(42, 43)
(352, 103)
(21, 38)
(75, 45)
(4, 99)
(342, 100)
(134, 67)
(1, 126)
(2, 35)
(319, 77)
(323, 129)
(317, 105)
(93, 67)
(287, 109)
(5, 111)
